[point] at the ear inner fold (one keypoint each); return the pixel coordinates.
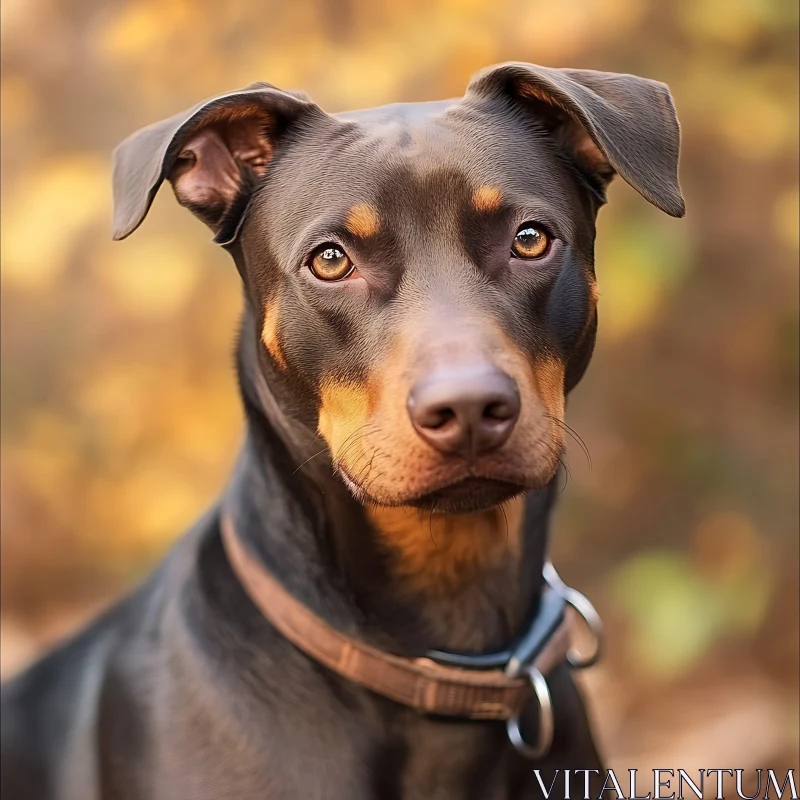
(204, 151)
(207, 176)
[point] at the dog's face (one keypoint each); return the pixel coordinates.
(423, 274)
(428, 298)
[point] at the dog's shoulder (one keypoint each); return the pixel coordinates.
(96, 689)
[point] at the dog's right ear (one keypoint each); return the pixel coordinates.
(605, 122)
(212, 155)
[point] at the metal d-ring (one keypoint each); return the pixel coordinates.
(546, 723)
(585, 610)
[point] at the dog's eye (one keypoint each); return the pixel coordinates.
(531, 241)
(330, 263)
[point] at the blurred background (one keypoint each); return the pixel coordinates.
(120, 418)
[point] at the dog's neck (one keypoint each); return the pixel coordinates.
(404, 579)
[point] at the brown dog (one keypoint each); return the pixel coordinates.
(419, 299)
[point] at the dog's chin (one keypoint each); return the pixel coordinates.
(467, 496)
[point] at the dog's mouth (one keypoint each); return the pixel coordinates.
(466, 494)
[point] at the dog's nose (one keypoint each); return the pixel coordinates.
(467, 412)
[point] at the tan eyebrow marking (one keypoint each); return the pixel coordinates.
(363, 221)
(269, 333)
(487, 198)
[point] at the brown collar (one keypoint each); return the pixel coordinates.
(420, 683)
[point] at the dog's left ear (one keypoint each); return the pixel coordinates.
(606, 122)
(212, 155)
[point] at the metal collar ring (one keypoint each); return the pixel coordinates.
(585, 610)
(544, 740)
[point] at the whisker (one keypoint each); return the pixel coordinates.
(558, 454)
(309, 459)
(374, 478)
(430, 526)
(364, 474)
(352, 440)
(575, 435)
(567, 474)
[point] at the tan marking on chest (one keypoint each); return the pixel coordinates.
(440, 553)
(270, 333)
(487, 198)
(363, 221)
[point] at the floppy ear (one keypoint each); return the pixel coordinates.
(607, 122)
(212, 155)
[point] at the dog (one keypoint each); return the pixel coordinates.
(419, 299)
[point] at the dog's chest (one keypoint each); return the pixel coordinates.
(294, 731)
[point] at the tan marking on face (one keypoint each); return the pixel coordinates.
(363, 221)
(269, 333)
(437, 554)
(594, 293)
(487, 198)
(391, 463)
(542, 375)
(344, 409)
(548, 375)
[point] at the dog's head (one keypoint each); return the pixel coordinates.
(423, 274)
